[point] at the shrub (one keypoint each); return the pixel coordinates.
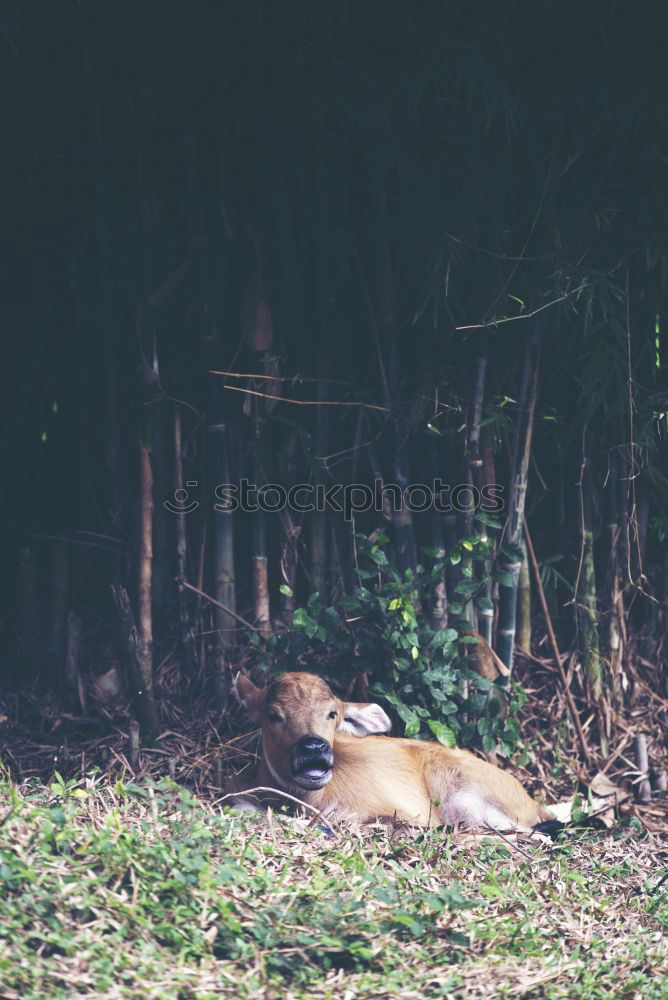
(424, 676)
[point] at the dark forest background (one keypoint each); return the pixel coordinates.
(425, 239)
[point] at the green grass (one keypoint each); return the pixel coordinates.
(143, 891)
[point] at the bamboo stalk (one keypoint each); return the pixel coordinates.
(223, 561)
(149, 423)
(643, 787)
(439, 593)
(588, 606)
(505, 636)
(482, 613)
(219, 429)
(260, 561)
(258, 333)
(491, 591)
(141, 680)
(616, 637)
(162, 582)
(289, 567)
(524, 605)
(145, 565)
(317, 521)
(291, 532)
(185, 625)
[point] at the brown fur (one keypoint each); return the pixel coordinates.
(416, 781)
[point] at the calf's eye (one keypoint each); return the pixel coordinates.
(274, 717)
(332, 715)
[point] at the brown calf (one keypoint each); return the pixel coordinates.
(311, 750)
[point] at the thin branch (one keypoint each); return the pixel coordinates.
(306, 402)
(223, 607)
(282, 378)
(277, 791)
(534, 312)
(511, 843)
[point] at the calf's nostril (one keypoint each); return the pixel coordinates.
(312, 745)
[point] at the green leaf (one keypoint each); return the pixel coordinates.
(487, 519)
(301, 618)
(442, 733)
(284, 589)
(412, 727)
(433, 553)
(482, 683)
(408, 921)
(445, 636)
(511, 731)
(476, 704)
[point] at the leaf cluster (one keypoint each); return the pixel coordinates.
(425, 677)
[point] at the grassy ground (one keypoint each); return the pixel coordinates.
(144, 891)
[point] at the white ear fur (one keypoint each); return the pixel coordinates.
(363, 720)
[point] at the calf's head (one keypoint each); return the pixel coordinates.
(299, 716)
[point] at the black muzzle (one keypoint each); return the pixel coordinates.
(312, 760)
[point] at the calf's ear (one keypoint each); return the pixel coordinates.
(362, 720)
(251, 697)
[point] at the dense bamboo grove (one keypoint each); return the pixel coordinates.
(332, 244)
